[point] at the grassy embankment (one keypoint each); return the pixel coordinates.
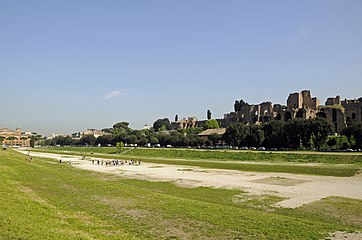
(326, 164)
(43, 199)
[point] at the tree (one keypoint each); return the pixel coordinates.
(182, 141)
(292, 131)
(208, 114)
(104, 140)
(235, 134)
(118, 138)
(176, 118)
(255, 136)
(131, 139)
(120, 146)
(63, 141)
(142, 141)
(121, 128)
(161, 122)
(210, 124)
(153, 140)
(193, 139)
(32, 141)
(163, 128)
(215, 138)
(88, 140)
(320, 129)
(121, 125)
(354, 131)
(108, 130)
(164, 139)
(201, 141)
(274, 134)
(306, 133)
(332, 142)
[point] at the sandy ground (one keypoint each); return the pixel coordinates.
(298, 189)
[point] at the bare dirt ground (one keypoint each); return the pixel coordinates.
(297, 189)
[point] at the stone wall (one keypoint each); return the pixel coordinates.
(333, 101)
(335, 115)
(300, 105)
(302, 100)
(353, 110)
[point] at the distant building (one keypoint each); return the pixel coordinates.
(207, 133)
(184, 123)
(96, 133)
(14, 138)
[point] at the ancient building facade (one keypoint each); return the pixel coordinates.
(299, 105)
(184, 123)
(353, 110)
(255, 113)
(14, 138)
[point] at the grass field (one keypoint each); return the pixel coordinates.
(244, 161)
(256, 156)
(43, 199)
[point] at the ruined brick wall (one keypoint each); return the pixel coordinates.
(302, 100)
(307, 101)
(294, 101)
(335, 116)
(333, 101)
(353, 110)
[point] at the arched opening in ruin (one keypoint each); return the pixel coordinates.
(353, 116)
(299, 114)
(334, 115)
(278, 117)
(321, 115)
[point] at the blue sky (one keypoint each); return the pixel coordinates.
(70, 65)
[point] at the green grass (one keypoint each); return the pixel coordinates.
(43, 199)
(343, 210)
(271, 166)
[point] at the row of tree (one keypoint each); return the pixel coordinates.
(122, 133)
(311, 133)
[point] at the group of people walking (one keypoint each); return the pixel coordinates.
(115, 162)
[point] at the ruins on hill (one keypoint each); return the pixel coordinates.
(299, 105)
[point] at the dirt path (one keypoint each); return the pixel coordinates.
(298, 189)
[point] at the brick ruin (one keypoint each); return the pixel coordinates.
(184, 123)
(299, 105)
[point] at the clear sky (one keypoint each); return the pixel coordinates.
(67, 65)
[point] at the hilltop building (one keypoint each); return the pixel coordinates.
(14, 138)
(96, 133)
(184, 123)
(299, 105)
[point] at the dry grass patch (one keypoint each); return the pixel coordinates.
(347, 211)
(281, 181)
